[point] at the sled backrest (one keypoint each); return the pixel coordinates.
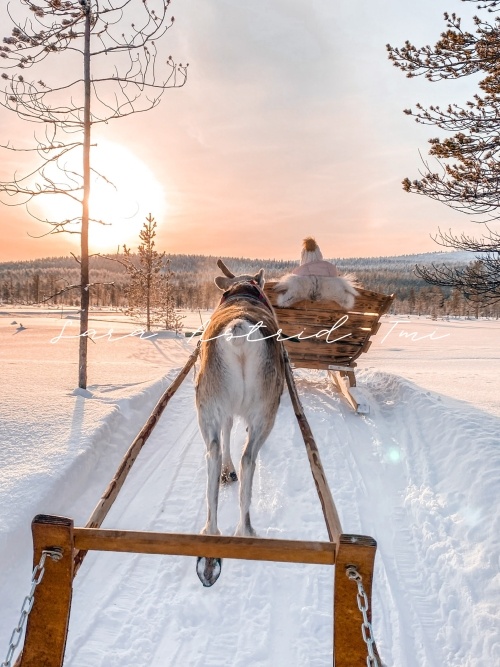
(349, 332)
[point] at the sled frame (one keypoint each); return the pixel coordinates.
(47, 625)
(350, 334)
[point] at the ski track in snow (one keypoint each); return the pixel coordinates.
(390, 478)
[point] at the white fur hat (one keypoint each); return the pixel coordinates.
(310, 251)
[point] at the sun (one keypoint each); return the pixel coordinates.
(123, 191)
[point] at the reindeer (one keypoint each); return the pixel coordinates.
(241, 374)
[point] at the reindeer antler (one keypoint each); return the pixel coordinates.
(224, 269)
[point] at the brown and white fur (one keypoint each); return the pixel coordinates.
(292, 289)
(239, 377)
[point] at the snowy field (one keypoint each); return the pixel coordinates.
(420, 474)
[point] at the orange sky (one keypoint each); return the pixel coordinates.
(290, 125)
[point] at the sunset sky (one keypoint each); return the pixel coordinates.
(290, 125)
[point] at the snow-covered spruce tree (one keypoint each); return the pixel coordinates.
(150, 293)
(468, 178)
(168, 314)
(144, 290)
(110, 71)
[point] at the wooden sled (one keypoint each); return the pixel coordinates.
(313, 326)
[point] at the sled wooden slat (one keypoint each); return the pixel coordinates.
(326, 360)
(317, 361)
(210, 546)
(330, 315)
(328, 329)
(367, 302)
(328, 335)
(320, 347)
(47, 625)
(324, 320)
(372, 302)
(341, 336)
(111, 492)
(320, 354)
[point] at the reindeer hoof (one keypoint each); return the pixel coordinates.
(208, 570)
(245, 531)
(228, 476)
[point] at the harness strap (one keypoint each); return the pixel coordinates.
(247, 290)
(251, 291)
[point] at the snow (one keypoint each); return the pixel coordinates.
(420, 474)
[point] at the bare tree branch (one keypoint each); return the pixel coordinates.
(467, 173)
(68, 288)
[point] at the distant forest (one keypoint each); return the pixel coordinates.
(35, 281)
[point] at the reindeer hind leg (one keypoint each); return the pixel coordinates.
(256, 437)
(228, 470)
(214, 465)
(208, 569)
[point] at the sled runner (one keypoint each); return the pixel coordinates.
(323, 336)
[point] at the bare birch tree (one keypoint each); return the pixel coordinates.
(113, 46)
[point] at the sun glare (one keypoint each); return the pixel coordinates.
(121, 200)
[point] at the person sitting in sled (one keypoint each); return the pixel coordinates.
(315, 280)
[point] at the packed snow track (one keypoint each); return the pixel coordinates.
(397, 475)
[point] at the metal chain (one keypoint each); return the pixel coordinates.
(36, 578)
(363, 606)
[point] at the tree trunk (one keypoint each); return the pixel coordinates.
(84, 266)
(148, 300)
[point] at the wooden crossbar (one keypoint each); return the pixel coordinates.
(47, 626)
(211, 546)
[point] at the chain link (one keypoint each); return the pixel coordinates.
(36, 578)
(363, 606)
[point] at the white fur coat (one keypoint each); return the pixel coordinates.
(292, 288)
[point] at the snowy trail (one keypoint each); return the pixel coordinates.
(390, 479)
(421, 474)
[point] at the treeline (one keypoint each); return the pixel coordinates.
(49, 281)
